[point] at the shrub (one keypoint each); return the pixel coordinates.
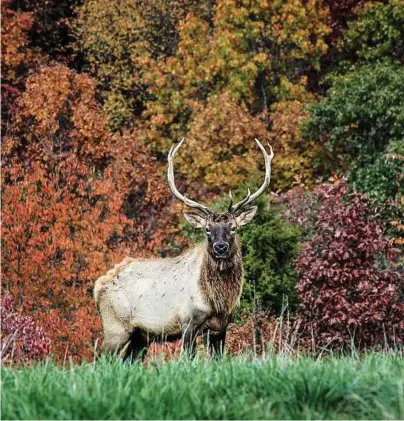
(347, 294)
(21, 339)
(269, 247)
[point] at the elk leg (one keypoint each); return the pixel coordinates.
(216, 343)
(136, 347)
(189, 334)
(115, 338)
(116, 335)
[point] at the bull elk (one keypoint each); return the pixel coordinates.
(198, 291)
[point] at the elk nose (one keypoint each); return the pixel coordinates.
(220, 248)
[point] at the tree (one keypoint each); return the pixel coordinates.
(230, 65)
(76, 200)
(116, 37)
(58, 235)
(17, 57)
(50, 32)
(221, 153)
(294, 154)
(359, 121)
(376, 34)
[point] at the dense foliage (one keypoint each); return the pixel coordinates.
(269, 274)
(95, 92)
(347, 296)
(360, 120)
(212, 73)
(376, 34)
(75, 202)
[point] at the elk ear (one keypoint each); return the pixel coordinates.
(245, 217)
(195, 219)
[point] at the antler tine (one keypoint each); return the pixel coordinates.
(251, 197)
(171, 182)
(230, 203)
(241, 204)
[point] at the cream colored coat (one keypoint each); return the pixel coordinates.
(159, 296)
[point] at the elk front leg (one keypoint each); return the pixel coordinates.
(216, 343)
(189, 335)
(136, 348)
(116, 338)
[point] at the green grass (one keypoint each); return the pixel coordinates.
(357, 387)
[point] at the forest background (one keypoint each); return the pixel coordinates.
(94, 93)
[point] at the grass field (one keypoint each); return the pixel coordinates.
(357, 387)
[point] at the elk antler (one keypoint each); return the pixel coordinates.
(171, 182)
(251, 197)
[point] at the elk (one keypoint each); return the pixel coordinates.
(169, 298)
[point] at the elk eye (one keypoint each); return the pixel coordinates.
(207, 231)
(233, 231)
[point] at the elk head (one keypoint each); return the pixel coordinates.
(220, 227)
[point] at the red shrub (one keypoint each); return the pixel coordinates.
(347, 294)
(21, 339)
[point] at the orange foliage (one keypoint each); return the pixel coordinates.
(15, 48)
(17, 56)
(218, 87)
(294, 155)
(75, 201)
(221, 153)
(55, 240)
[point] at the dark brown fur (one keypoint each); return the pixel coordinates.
(221, 279)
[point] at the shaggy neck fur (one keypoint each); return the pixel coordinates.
(221, 280)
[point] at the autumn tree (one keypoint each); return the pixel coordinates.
(115, 37)
(171, 63)
(17, 57)
(50, 31)
(294, 153)
(235, 61)
(76, 200)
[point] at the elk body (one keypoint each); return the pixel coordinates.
(141, 300)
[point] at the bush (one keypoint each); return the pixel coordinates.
(269, 247)
(347, 294)
(21, 339)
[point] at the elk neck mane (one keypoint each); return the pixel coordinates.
(221, 279)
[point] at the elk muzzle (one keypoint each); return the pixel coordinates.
(221, 248)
